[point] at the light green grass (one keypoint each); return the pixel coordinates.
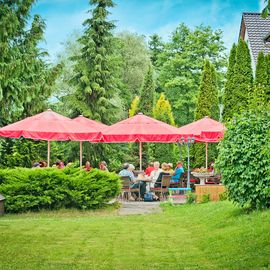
(205, 236)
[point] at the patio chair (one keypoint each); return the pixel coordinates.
(163, 189)
(126, 188)
(181, 183)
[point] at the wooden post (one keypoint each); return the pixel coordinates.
(48, 153)
(81, 153)
(140, 155)
(206, 155)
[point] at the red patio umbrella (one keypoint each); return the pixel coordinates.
(141, 128)
(49, 126)
(204, 130)
(99, 127)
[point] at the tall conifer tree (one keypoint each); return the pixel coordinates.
(147, 94)
(229, 87)
(242, 79)
(207, 105)
(96, 85)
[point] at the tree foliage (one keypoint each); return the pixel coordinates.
(228, 91)
(147, 93)
(96, 87)
(161, 151)
(26, 80)
(243, 162)
(134, 106)
(207, 105)
(182, 61)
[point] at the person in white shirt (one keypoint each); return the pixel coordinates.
(155, 173)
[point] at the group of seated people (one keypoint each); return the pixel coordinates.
(61, 165)
(154, 173)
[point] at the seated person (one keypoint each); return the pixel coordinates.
(178, 172)
(165, 171)
(170, 168)
(211, 167)
(103, 166)
(128, 171)
(149, 169)
(59, 164)
(155, 173)
(87, 166)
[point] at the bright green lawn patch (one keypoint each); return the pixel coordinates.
(202, 236)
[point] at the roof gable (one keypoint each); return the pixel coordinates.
(258, 31)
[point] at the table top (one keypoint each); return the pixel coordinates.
(145, 179)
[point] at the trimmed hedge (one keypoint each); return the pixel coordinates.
(36, 189)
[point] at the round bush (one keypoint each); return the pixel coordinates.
(244, 161)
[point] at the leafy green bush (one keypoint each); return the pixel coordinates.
(191, 197)
(243, 162)
(223, 196)
(205, 198)
(35, 189)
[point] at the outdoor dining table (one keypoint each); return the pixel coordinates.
(147, 180)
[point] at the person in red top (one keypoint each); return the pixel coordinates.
(149, 169)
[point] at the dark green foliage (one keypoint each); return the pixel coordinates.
(267, 92)
(242, 79)
(146, 103)
(207, 105)
(96, 88)
(26, 80)
(36, 189)
(261, 85)
(223, 196)
(156, 47)
(205, 198)
(243, 162)
(228, 91)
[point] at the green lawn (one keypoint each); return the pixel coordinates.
(203, 236)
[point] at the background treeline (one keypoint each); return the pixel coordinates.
(108, 76)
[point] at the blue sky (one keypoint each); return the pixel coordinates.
(145, 17)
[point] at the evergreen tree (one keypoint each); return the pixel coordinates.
(163, 110)
(96, 94)
(156, 47)
(258, 97)
(267, 91)
(134, 106)
(242, 79)
(26, 80)
(207, 105)
(228, 92)
(161, 151)
(147, 94)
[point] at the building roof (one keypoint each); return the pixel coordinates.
(258, 31)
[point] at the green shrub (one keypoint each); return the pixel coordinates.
(243, 162)
(191, 197)
(35, 189)
(205, 198)
(223, 196)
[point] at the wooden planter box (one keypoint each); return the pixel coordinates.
(213, 190)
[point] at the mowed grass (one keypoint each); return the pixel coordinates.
(202, 236)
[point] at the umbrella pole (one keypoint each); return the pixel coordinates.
(206, 155)
(48, 153)
(81, 153)
(140, 155)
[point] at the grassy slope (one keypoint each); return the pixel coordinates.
(206, 236)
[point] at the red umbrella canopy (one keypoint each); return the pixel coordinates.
(99, 127)
(90, 123)
(50, 126)
(203, 130)
(141, 128)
